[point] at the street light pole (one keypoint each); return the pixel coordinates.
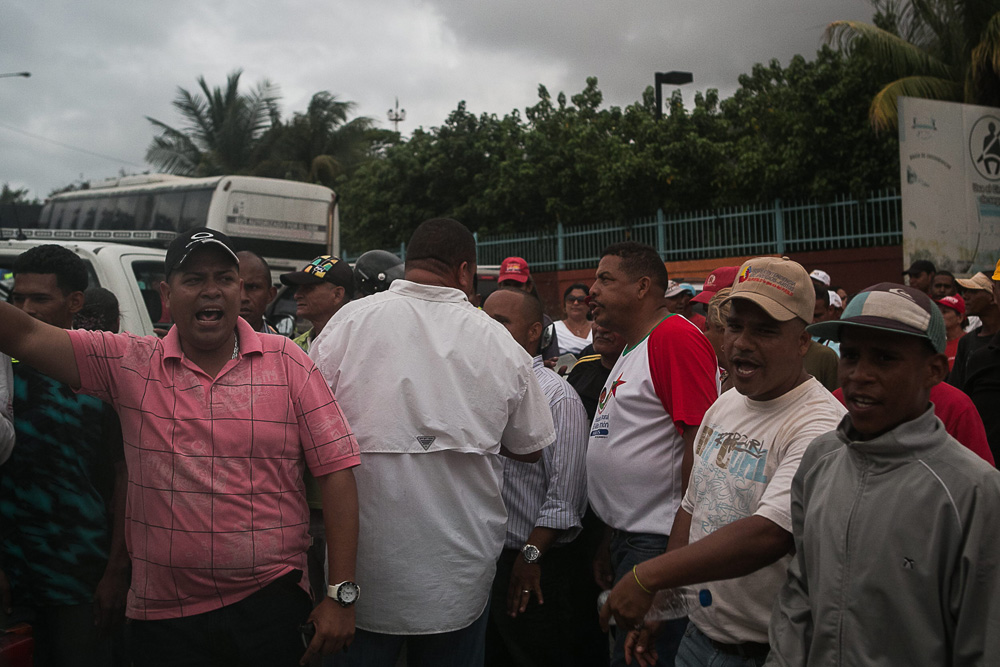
(9, 74)
(674, 78)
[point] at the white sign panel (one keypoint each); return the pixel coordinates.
(949, 160)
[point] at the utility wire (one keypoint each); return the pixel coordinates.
(72, 148)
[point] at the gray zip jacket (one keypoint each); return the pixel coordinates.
(897, 544)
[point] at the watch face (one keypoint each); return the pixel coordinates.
(348, 593)
(531, 553)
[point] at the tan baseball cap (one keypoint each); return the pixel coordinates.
(778, 285)
(979, 281)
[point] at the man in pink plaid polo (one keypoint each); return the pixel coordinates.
(219, 423)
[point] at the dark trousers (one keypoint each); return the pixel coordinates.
(458, 648)
(627, 551)
(563, 631)
(65, 635)
(260, 630)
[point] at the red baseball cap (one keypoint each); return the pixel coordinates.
(721, 278)
(956, 303)
(514, 268)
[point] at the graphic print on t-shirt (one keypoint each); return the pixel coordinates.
(731, 473)
(599, 429)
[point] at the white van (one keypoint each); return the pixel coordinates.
(131, 272)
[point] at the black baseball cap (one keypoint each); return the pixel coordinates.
(183, 245)
(920, 266)
(325, 268)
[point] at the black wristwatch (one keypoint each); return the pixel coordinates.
(531, 554)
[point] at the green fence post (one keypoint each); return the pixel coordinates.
(779, 227)
(560, 247)
(661, 233)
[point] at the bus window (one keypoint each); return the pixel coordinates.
(167, 213)
(105, 214)
(89, 213)
(195, 212)
(144, 212)
(125, 207)
(74, 213)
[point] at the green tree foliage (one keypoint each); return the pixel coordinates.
(222, 129)
(791, 132)
(230, 132)
(801, 131)
(9, 195)
(936, 49)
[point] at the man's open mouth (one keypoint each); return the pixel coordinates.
(209, 315)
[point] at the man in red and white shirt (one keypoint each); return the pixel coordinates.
(218, 423)
(640, 450)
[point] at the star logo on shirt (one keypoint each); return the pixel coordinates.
(617, 383)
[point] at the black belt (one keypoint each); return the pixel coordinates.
(746, 650)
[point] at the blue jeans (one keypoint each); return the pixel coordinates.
(460, 648)
(697, 650)
(627, 551)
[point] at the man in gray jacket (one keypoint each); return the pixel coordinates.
(893, 520)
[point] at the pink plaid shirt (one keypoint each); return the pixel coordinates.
(216, 504)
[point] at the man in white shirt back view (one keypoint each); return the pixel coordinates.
(436, 391)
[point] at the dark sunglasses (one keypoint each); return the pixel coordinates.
(576, 299)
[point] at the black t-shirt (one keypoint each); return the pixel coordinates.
(588, 378)
(967, 346)
(982, 384)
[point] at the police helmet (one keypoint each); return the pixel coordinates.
(374, 272)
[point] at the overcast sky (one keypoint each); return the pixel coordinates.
(99, 67)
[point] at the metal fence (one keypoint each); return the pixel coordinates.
(779, 228)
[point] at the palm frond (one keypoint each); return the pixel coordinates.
(901, 57)
(983, 82)
(883, 111)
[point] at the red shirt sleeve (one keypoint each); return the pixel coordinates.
(961, 419)
(684, 370)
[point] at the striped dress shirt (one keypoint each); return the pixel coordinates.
(552, 492)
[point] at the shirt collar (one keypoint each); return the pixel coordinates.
(909, 441)
(537, 361)
(249, 341)
(427, 292)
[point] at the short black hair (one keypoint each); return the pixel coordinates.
(441, 241)
(267, 267)
(946, 273)
(639, 260)
(822, 294)
(100, 311)
(70, 271)
(575, 286)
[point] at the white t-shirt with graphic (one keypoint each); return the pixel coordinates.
(635, 449)
(745, 456)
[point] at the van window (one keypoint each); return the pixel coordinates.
(148, 276)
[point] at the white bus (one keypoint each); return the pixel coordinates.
(287, 222)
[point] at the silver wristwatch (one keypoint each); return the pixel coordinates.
(345, 593)
(531, 554)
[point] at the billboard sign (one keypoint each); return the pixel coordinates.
(949, 160)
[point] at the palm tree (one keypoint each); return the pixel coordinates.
(319, 145)
(936, 49)
(222, 129)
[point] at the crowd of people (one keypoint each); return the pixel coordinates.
(764, 471)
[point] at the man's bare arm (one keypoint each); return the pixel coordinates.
(42, 346)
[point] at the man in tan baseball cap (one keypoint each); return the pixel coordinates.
(977, 290)
(748, 446)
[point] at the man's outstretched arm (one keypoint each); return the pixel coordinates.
(42, 346)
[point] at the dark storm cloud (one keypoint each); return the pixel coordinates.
(100, 67)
